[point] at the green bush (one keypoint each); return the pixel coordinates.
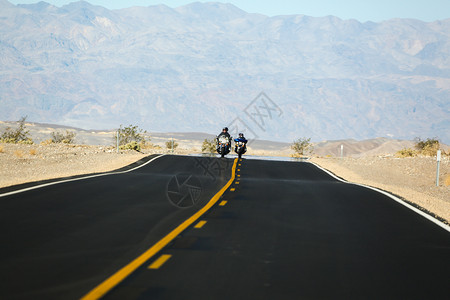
(406, 152)
(131, 134)
(67, 138)
(302, 146)
(13, 141)
(18, 135)
(209, 146)
(428, 147)
(131, 146)
(171, 145)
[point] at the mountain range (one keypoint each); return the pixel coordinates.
(203, 66)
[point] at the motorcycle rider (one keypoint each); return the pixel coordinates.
(225, 133)
(241, 138)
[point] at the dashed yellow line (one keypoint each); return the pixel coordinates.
(223, 203)
(200, 224)
(232, 190)
(160, 261)
(123, 273)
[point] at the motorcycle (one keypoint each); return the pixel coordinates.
(240, 148)
(223, 145)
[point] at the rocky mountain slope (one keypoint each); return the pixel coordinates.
(202, 66)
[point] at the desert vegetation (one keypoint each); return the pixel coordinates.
(132, 138)
(19, 135)
(302, 147)
(209, 146)
(428, 147)
(171, 145)
(66, 138)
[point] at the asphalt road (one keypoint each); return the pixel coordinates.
(60, 241)
(282, 230)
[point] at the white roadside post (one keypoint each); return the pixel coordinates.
(342, 151)
(438, 158)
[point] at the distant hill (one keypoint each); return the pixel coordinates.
(198, 67)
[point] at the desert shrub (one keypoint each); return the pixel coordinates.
(18, 135)
(131, 134)
(171, 145)
(302, 146)
(427, 147)
(8, 141)
(209, 146)
(26, 142)
(47, 142)
(430, 150)
(131, 146)
(66, 138)
(406, 152)
(146, 145)
(33, 152)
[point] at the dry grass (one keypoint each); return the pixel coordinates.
(47, 142)
(33, 152)
(406, 152)
(1, 149)
(18, 154)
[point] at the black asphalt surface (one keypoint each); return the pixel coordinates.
(60, 241)
(287, 231)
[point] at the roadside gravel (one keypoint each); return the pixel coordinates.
(28, 163)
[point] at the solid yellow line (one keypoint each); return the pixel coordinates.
(200, 224)
(120, 275)
(160, 261)
(223, 203)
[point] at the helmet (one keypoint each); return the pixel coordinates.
(225, 129)
(241, 135)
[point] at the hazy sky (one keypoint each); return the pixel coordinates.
(362, 10)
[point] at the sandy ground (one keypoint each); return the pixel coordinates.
(411, 178)
(27, 163)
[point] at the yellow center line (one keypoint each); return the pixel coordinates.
(120, 275)
(223, 203)
(232, 190)
(160, 261)
(200, 224)
(237, 182)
